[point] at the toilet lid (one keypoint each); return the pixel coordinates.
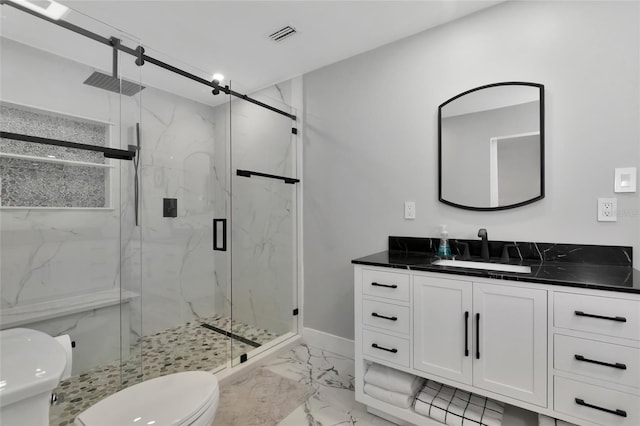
(175, 400)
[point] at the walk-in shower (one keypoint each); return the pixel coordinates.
(158, 231)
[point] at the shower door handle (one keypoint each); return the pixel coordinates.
(220, 228)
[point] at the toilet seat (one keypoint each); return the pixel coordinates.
(176, 400)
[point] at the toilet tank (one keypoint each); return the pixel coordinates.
(31, 365)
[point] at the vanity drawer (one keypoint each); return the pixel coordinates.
(388, 348)
(391, 285)
(591, 403)
(385, 315)
(600, 360)
(600, 315)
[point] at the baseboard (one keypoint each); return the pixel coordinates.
(328, 342)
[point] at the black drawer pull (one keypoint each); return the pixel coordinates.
(618, 319)
(617, 412)
(466, 333)
(385, 285)
(477, 336)
(375, 346)
(377, 315)
(593, 361)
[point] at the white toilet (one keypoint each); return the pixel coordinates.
(181, 399)
(31, 366)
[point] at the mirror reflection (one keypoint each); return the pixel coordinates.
(491, 147)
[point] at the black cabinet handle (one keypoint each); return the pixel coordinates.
(593, 361)
(618, 319)
(466, 333)
(477, 336)
(375, 346)
(377, 315)
(385, 285)
(617, 412)
(216, 243)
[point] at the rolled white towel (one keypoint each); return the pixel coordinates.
(394, 398)
(549, 421)
(393, 380)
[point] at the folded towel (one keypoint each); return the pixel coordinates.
(393, 380)
(549, 421)
(454, 407)
(394, 398)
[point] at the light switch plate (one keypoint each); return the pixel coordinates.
(625, 180)
(410, 210)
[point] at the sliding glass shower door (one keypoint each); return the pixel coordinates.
(184, 199)
(263, 223)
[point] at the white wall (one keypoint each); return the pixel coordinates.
(371, 137)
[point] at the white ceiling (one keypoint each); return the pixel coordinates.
(231, 37)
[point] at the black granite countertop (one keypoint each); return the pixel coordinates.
(594, 267)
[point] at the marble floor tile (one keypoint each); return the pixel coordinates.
(332, 377)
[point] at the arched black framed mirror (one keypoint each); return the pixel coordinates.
(491, 147)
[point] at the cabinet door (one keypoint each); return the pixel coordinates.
(510, 351)
(442, 321)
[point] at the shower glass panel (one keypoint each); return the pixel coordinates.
(183, 177)
(264, 224)
(66, 214)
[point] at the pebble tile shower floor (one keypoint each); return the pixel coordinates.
(186, 347)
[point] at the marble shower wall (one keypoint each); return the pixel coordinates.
(264, 219)
(60, 267)
(52, 256)
(179, 159)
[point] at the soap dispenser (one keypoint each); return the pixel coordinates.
(444, 250)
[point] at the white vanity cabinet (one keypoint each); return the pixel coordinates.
(442, 318)
(385, 316)
(596, 356)
(490, 336)
(566, 352)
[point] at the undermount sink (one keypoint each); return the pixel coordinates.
(484, 265)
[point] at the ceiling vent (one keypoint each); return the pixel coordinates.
(283, 34)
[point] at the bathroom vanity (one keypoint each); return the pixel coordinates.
(563, 340)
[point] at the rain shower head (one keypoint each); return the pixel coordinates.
(108, 82)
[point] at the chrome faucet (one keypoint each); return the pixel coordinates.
(484, 252)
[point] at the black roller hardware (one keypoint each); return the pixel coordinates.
(377, 315)
(477, 336)
(617, 412)
(617, 365)
(617, 319)
(375, 346)
(466, 333)
(385, 285)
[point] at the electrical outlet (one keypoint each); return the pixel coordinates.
(607, 209)
(409, 210)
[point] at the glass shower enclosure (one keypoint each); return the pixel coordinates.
(183, 257)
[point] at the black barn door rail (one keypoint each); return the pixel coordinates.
(141, 58)
(119, 154)
(249, 173)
